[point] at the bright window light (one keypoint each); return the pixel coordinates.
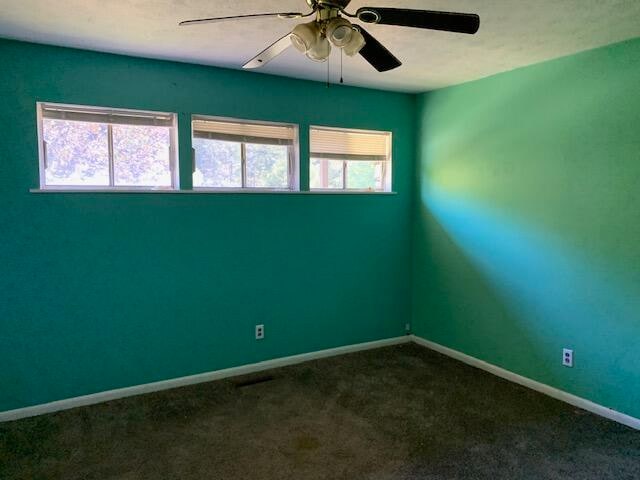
(239, 154)
(97, 148)
(346, 159)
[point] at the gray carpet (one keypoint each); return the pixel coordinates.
(402, 412)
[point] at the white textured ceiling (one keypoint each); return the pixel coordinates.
(513, 33)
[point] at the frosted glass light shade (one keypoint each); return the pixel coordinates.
(356, 43)
(304, 36)
(339, 31)
(320, 50)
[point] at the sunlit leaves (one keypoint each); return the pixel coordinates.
(358, 174)
(78, 153)
(141, 155)
(219, 165)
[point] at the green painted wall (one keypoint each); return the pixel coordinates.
(101, 291)
(527, 222)
(524, 228)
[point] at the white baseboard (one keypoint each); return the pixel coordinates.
(305, 357)
(193, 379)
(532, 384)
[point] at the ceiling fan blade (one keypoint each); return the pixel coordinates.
(376, 54)
(269, 53)
(447, 21)
(241, 17)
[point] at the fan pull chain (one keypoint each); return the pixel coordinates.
(341, 79)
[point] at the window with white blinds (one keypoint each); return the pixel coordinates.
(346, 159)
(241, 154)
(85, 147)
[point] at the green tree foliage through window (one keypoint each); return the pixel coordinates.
(219, 164)
(78, 154)
(141, 155)
(267, 166)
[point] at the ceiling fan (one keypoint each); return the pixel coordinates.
(330, 26)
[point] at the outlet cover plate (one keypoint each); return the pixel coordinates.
(567, 357)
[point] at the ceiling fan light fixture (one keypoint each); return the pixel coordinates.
(356, 43)
(331, 27)
(304, 36)
(339, 31)
(320, 50)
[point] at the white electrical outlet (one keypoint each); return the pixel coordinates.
(567, 357)
(259, 332)
(407, 327)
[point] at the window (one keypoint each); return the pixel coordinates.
(343, 159)
(102, 148)
(236, 154)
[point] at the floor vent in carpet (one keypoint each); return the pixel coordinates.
(253, 381)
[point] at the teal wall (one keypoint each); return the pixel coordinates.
(527, 222)
(101, 291)
(515, 234)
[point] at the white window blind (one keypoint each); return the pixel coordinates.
(333, 144)
(106, 115)
(243, 132)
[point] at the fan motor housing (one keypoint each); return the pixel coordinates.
(328, 3)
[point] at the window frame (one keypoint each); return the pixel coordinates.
(173, 150)
(293, 171)
(387, 185)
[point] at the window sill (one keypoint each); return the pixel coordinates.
(349, 192)
(202, 191)
(101, 190)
